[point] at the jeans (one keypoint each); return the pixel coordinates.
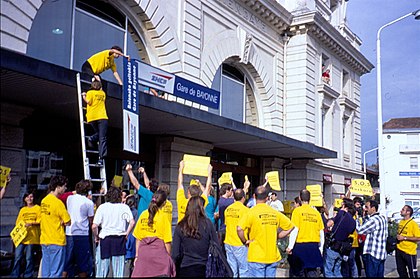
(22, 249)
(349, 267)
(373, 266)
(53, 257)
(262, 270)
(333, 261)
(237, 259)
(101, 129)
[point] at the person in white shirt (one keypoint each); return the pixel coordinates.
(274, 202)
(113, 217)
(78, 251)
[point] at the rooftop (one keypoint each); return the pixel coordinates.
(403, 123)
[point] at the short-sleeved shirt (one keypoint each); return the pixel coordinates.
(262, 221)
(309, 222)
(167, 210)
(182, 203)
(161, 227)
(30, 215)
(223, 204)
(96, 110)
(411, 230)
(102, 61)
(53, 213)
(233, 213)
(80, 209)
(145, 197)
(113, 218)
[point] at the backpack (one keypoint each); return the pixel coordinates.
(217, 265)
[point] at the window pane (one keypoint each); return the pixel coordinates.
(232, 99)
(92, 35)
(50, 35)
(216, 86)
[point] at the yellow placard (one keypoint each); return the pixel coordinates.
(5, 171)
(316, 194)
(361, 187)
(338, 203)
(274, 180)
(225, 178)
(194, 182)
(117, 180)
(19, 233)
(288, 207)
(196, 165)
(246, 177)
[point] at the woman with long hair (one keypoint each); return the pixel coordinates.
(191, 241)
(153, 241)
(30, 214)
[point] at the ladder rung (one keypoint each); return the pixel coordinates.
(92, 151)
(97, 179)
(96, 165)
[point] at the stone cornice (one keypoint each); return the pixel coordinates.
(270, 11)
(316, 25)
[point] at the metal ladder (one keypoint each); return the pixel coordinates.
(88, 168)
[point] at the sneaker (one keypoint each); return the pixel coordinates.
(100, 162)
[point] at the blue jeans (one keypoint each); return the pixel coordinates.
(237, 259)
(21, 250)
(262, 270)
(53, 257)
(101, 129)
(349, 268)
(102, 265)
(332, 266)
(373, 266)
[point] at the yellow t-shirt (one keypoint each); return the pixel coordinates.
(53, 212)
(167, 210)
(30, 215)
(262, 222)
(96, 110)
(182, 203)
(309, 222)
(355, 235)
(102, 61)
(232, 215)
(411, 229)
(161, 227)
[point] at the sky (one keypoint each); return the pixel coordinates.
(400, 63)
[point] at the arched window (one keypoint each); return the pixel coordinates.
(66, 33)
(231, 83)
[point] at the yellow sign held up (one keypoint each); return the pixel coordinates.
(316, 194)
(274, 180)
(225, 178)
(5, 171)
(18, 233)
(196, 165)
(361, 187)
(338, 202)
(194, 182)
(117, 180)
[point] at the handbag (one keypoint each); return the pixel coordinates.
(217, 264)
(391, 241)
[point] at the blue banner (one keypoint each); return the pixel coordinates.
(409, 173)
(130, 106)
(196, 93)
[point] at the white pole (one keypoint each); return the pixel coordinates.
(364, 160)
(382, 183)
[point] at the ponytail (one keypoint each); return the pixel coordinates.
(158, 200)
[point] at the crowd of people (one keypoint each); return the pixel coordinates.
(133, 236)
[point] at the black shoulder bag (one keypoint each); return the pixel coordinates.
(342, 247)
(391, 241)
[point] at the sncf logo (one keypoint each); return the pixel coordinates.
(159, 78)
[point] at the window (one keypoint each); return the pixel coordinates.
(231, 84)
(66, 33)
(414, 181)
(414, 162)
(346, 84)
(326, 69)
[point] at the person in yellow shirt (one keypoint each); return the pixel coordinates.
(102, 61)
(263, 222)
(97, 117)
(192, 191)
(167, 207)
(236, 251)
(31, 215)
(153, 235)
(54, 217)
(406, 251)
(307, 240)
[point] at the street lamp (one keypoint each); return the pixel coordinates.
(364, 160)
(416, 15)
